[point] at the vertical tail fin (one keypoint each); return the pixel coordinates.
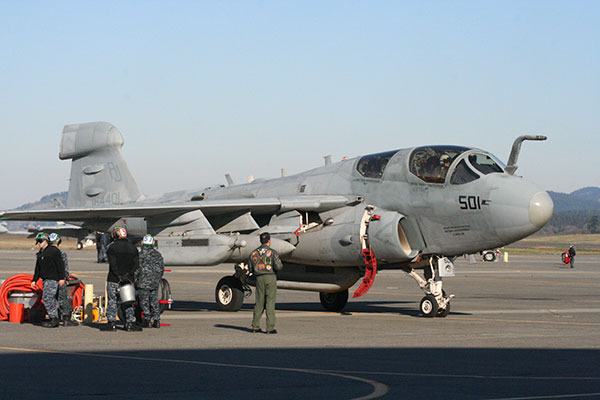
(99, 174)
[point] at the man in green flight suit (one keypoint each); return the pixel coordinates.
(264, 262)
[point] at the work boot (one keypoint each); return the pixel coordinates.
(109, 327)
(132, 327)
(272, 332)
(156, 323)
(53, 323)
(254, 330)
(66, 321)
(144, 323)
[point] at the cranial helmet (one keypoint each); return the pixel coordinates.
(53, 237)
(120, 232)
(148, 240)
(41, 236)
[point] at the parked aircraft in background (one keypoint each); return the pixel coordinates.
(83, 236)
(410, 209)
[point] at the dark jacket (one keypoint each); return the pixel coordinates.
(123, 260)
(572, 252)
(49, 265)
(264, 261)
(151, 269)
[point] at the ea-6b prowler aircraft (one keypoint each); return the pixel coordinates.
(409, 209)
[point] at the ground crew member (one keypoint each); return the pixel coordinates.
(123, 260)
(264, 262)
(102, 241)
(147, 280)
(572, 254)
(64, 302)
(51, 269)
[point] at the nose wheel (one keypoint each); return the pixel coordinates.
(436, 302)
(429, 306)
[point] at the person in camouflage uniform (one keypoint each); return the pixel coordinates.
(147, 280)
(123, 260)
(64, 302)
(50, 268)
(264, 262)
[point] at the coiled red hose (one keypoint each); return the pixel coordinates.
(22, 283)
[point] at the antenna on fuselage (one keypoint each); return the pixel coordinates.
(229, 180)
(327, 159)
(516, 149)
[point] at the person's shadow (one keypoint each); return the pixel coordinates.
(233, 327)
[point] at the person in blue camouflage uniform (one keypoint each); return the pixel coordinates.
(64, 301)
(122, 263)
(264, 263)
(50, 268)
(147, 280)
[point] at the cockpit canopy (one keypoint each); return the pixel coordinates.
(373, 165)
(432, 163)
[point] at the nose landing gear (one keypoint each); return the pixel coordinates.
(436, 302)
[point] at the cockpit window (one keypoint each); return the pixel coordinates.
(373, 165)
(484, 164)
(431, 163)
(463, 174)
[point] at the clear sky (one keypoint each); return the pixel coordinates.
(203, 88)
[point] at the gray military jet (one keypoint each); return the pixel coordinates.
(411, 209)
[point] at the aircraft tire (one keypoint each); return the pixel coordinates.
(334, 301)
(429, 306)
(79, 246)
(490, 256)
(164, 290)
(229, 294)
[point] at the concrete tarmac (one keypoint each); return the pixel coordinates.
(529, 329)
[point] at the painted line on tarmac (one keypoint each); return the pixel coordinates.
(537, 311)
(219, 315)
(562, 272)
(473, 376)
(210, 314)
(379, 389)
(556, 396)
(526, 321)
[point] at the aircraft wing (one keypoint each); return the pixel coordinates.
(208, 208)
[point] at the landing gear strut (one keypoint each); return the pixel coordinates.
(436, 302)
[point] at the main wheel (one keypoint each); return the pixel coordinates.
(229, 294)
(489, 256)
(334, 301)
(79, 246)
(429, 306)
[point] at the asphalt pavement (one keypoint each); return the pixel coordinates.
(527, 329)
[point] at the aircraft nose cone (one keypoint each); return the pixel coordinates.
(541, 208)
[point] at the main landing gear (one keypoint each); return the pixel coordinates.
(334, 301)
(231, 290)
(436, 302)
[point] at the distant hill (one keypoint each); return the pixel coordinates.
(575, 212)
(54, 200)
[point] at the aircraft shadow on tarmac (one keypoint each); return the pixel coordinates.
(302, 373)
(398, 307)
